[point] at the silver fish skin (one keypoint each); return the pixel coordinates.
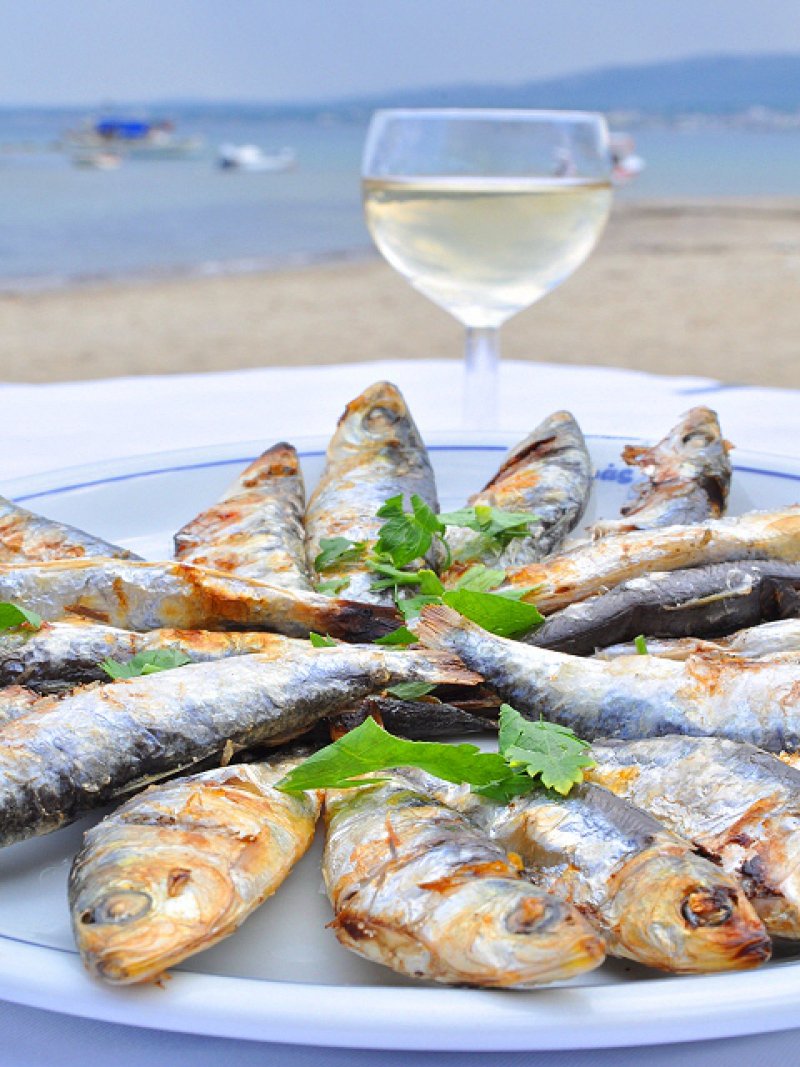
(376, 453)
(256, 529)
(182, 865)
(631, 697)
(645, 889)
(416, 887)
(698, 602)
(597, 566)
(778, 640)
(149, 596)
(739, 804)
(64, 654)
(688, 476)
(86, 748)
(549, 474)
(16, 700)
(24, 535)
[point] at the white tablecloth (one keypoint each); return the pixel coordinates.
(49, 426)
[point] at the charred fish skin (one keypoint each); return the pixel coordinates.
(688, 476)
(549, 474)
(182, 865)
(256, 529)
(376, 453)
(24, 535)
(646, 891)
(631, 697)
(86, 748)
(64, 654)
(699, 602)
(415, 887)
(739, 804)
(778, 640)
(415, 719)
(600, 565)
(150, 596)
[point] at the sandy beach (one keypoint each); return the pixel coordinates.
(699, 287)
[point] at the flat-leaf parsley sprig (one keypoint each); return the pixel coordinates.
(531, 755)
(13, 617)
(162, 659)
(494, 528)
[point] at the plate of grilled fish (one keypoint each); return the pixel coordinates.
(183, 634)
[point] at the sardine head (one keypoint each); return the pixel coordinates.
(511, 934)
(378, 416)
(141, 920)
(680, 913)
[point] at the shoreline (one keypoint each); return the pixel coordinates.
(627, 203)
(701, 286)
(207, 269)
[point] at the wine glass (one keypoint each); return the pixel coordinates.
(485, 211)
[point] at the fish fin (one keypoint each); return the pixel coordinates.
(437, 622)
(446, 667)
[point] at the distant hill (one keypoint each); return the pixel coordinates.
(710, 84)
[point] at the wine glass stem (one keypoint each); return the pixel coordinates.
(482, 359)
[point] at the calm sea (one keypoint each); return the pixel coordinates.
(60, 223)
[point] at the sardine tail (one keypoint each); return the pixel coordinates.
(437, 623)
(447, 669)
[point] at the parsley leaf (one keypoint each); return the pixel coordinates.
(13, 617)
(405, 537)
(501, 526)
(142, 663)
(496, 613)
(318, 641)
(401, 636)
(338, 550)
(411, 606)
(641, 645)
(410, 690)
(332, 586)
(480, 579)
(532, 754)
(494, 528)
(543, 749)
(370, 748)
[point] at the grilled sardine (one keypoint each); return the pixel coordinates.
(256, 528)
(417, 888)
(182, 865)
(688, 475)
(376, 453)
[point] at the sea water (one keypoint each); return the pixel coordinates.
(61, 224)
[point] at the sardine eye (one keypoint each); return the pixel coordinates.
(378, 417)
(531, 914)
(697, 439)
(708, 907)
(121, 907)
(12, 668)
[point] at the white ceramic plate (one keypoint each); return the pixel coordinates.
(283, 976)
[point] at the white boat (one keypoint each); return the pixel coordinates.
(625, 163)
(252, 158)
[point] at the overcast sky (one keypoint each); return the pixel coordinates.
(83, 51)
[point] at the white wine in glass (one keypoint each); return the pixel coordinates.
(484, 212)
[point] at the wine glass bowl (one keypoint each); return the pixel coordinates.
(485, 212)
